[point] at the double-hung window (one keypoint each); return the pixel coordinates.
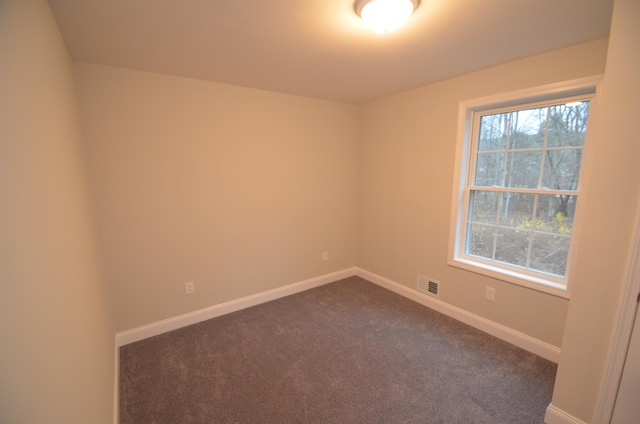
(520, 161)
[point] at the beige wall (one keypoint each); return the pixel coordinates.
(613, 191)
(236, 189)
(405, 178)
(56, 335)
(241, 191)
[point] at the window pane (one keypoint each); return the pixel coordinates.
(480, 240)
(512, 246)
(516, 209)
(528, 128)
(493, 132)
(483, 207)
(549, 253)
(568, 125)
(554, 214)
(521, 186)
(489, 169)
(562, 169)
(523, 169)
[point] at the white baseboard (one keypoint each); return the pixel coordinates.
(159, 327)
(507, 334)
(556, 415)
(538, 347)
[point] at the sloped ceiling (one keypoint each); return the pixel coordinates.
(320, 48)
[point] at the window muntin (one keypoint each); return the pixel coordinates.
(521, 192)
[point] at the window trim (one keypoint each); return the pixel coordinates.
(464, 146)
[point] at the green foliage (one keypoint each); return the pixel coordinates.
(557, 225)
(512, 243)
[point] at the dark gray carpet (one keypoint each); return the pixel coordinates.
(346, 352)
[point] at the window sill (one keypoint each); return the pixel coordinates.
(528, 281)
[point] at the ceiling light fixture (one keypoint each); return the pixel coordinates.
(385, 15)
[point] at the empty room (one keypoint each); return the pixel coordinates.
(277, 211)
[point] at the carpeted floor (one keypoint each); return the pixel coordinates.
(346, 352)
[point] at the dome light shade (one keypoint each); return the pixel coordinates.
(385, 15)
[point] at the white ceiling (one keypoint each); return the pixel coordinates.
(320, 48)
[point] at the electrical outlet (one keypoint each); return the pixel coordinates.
(190, 287)
(325, 256)
(490, 294)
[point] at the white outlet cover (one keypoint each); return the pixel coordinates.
(490, 294)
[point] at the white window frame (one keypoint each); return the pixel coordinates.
(586, 88)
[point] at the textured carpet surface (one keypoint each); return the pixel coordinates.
(346, 352)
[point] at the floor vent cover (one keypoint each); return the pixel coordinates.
(430, 287)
